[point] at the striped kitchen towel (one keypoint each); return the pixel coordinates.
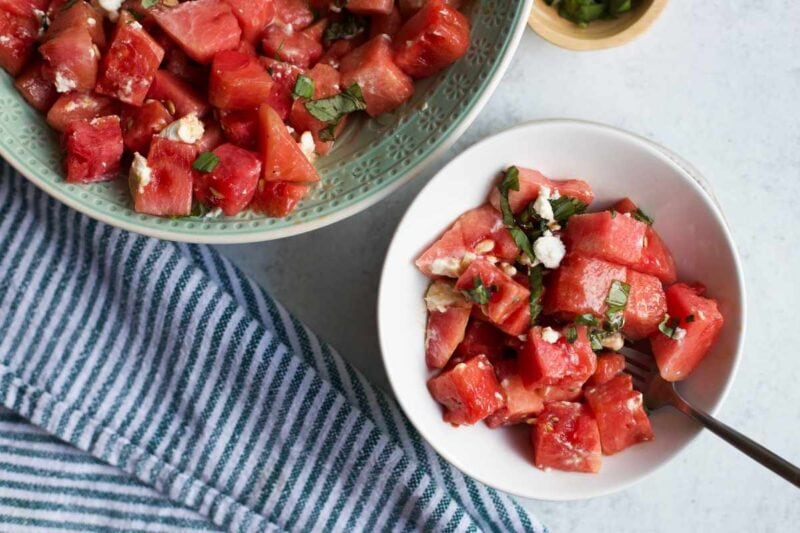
(151, 386)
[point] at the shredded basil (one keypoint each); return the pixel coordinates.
(617, 300)
(199, 209)
(479, 293)
(566, 206)
(510, 182)
(303, 88)
(613, 213)
(571, 334)
(147, 4)
(641, 216)
(328, 133)
(596, 337)
(537, 289)
(667, 326)
(347, 27)
(587, 319)
(206, 162)
(335, 107)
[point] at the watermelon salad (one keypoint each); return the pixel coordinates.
(218, 105)
(531, 298)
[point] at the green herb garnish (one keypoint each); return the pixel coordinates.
(668, 326)
(571, 334)
(566, 206)
(510, 182)
(613, 213)
(479, 293)
(199, 209)
(587, 319)
(206, 162)
(303, 88)
(617, 299)
(334, 107)
(147, 4)
(596, 337)
(328, 133)
(537, 289)
(641, 216)
(347, 27)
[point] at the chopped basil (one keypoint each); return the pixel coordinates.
(537, 289)
(347, 27)
(510, 182)
(596, 337)
(479, 293)
(571, 334)
(278, 51)
(303, 88)
(199, 209)
(641, 216)
(617, 299)
(615, 320)
(689, 319)
(613, 213)
(587, 319)
(206, 162)
(667, 326)
(335, 107)
(328, 133)
(147, 4)
(566, 206)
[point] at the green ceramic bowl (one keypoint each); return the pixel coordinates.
(372, 159)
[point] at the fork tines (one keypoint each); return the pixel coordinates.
(640, 366)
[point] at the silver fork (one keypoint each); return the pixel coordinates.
(658, 392)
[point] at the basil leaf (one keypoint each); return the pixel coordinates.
(641, 216)
(665, 328)
(328, 133)
(613, 213)
(617, 297)
(571, 334)
(199, 209)
(335, 107)
(347, 27)
(566, 206)
(587, 319)
(537, 289)
(147, 4)
(479, 293)
(596, 337)
(206, 162)
(303, 88)
(511, 182)
(616, 320)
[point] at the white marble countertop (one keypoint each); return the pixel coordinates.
(717, 82)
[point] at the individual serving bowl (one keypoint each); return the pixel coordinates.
(372, 158)
(616, 164)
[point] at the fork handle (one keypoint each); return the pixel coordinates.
(777, 464)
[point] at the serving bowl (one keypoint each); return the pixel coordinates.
(603, 33)
(370, 160)
(616, 164)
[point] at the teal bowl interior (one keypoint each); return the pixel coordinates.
(372, 158)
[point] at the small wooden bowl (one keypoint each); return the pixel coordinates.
(603, 33)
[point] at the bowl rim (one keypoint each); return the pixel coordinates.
(579, 44)
(464, 120)
(670, 158)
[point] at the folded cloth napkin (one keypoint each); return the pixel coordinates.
(150, 386)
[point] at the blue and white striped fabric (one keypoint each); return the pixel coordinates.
(150, 386)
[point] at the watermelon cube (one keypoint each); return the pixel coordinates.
(180, 65)
(699, 325)
(253, 16)
(448, 314)
(298, 48)
(94, 149)
(36, 90)
(518, 322)
(479, 232)
(282, 158)
(388, 24)
(384, 85)
(232, 183)
(212, 136)
(238, 81)
(70, 60)
(469, 391)
(555, 393)
(566, 437)
(609, 365)
(79, 106)
(504, 294)
(656, 259)
(139, 124)
(482, 337)
(294, 13)
(240, 127)
(531, 181)
(162, 184)
(409, 7)
(284, 75)
(522, 403)
(370, 7)
(610, 236)
(130, 63)
(548, 358)
(278, 198)
(76, 15)
(19, 33)
(434, 38)
(201, 27)
(646, 305)
(175, 93)
(326, 83)
(620, 414)
(581, 286)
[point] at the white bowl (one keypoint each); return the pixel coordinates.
(616, 164)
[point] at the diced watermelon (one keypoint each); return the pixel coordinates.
(80, 16)
(231, 184)
(240, 127)
(620, 414)
(278, 198)
(70, 60)
(388, 24)
(531, 181)
(180, 65)
(175, 93)
(560, 363)
(212, 136)
(295, 13)
(555, 393)
(609, 365)
(370, 7)
(79, 106)
(699, 318)
(505, 294)
(580, 286)
(384, 85)
(566, 437)
(656, 258)
(626, 205)
(130, 63)
(646, 305)
(522, 403)
(469, 391)
(284, 75)
(614, 237)
(36, 90)
(23, 8)
(139, 124)
(483, 338)
(326, 83)
(434, 38)
(168, 192)
(253, 16)
(297, 48)
(518, 321)
(480, 232)
(238, 81)
(94, 149)
(201, 27)
(409, 7)
(18, 39)
(445, 330)
(282, 158)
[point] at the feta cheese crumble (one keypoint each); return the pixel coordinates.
(187, 129)
(141, 174)
(442, 295)
(111, 8)
(307, 146)
(549, 250)
(64, 84)
(542, 204)
(679, 334)
(613, 342)
(550, 336)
